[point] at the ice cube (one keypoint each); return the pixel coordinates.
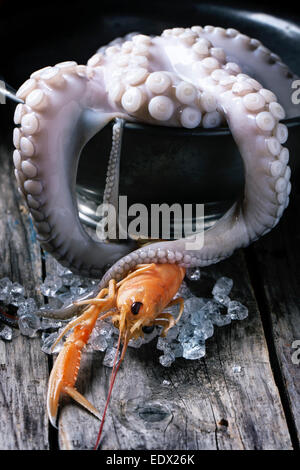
(166, 383)
(183, 291)
(6, 332)
(15, 294)
(237, 311)
(162, 344)
(16, 288)
(47, 342)
(29, 324)
(16, 299)
(186, 332)
(55, 303)
(61, 270)
(5, 298)
(136, 343)
(27, 306)
(50, 324)
(77, 291)
(106, 329)
(112, 342)
(51, 285)
(5, 288)
(99, 343)
(5, 284)
(222, 299)
(204, 331)
(215, 315)
(198, 317)
(193, 349)
(193, 305)
(67, 277)
(65, 274)
(223, 286)
(109, 357)
(193, 274)
(220, 319)
(64, 297)
(172, 333)
(167, 359)
(176, 349)
(76, 281)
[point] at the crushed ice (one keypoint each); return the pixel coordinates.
(187, 339)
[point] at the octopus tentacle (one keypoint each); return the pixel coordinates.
(182, 78)
(63, 109)
(111, 191)
(252, 113)
(255, 60)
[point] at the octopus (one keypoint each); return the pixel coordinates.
(187, 77)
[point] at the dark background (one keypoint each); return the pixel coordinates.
(34, 35)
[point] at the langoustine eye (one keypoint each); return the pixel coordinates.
(135, 307)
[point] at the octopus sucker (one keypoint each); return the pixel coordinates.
(95, 60)
(273, 145)
(132, 100)
(26, 88)
(29, 169)
(186, 93)
(161, 108)
(254, 102)
(158, 82)
(16, 137)
(26, 147)
(212, 119)
(53, 77)
(32, 202)
(190, 117)
(29, 123)
(281, 133)
(187, 77)
(17, 159)
(36, 99)
(19, 111)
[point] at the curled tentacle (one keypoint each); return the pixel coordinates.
(182, 78)
(63, 109)
(253, 115)
(255, 60)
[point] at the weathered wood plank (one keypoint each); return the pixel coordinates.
(23, 366)
(209, 404)
(277, 257)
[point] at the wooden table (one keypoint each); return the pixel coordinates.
(243, 395)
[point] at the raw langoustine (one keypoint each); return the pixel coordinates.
(135, 305)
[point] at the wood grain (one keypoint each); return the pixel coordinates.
(277, 261)
(228, 400)
(23, 366)
(207, 405)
